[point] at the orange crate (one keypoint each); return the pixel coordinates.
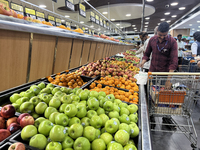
(172, 97)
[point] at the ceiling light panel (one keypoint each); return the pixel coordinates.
(149, 0)
(174, 16)
(147, 18)
(167, 13)
(174, 4)
(105, 13)
(128, 15)
(42, 6)
(162, 19)
(146, 22)
(181, 8)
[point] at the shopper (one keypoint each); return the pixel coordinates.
(164, 52)
(196, 45)
(181, 46)
(143, 36)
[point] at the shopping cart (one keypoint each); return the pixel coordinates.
(175, 104)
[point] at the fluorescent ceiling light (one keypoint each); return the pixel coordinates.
(105, 13)
(121, 27)
(149, 0)
(86, 28)
(146, 22)
(167, 13)
(134, 28)
(81, 22)
(198, 21)
(147, 18)
(63, 20)
(158, 23)
(181, 8)
(199, 26)
(104, 31)
(162, 19)
(190, 24)
(99, 29)
(198, 30)
(193, 28)
(112, 19)
(42, 6)
(92, 26)
(168, 21)
(67, 16)
(133, 25)
(118, 24)
(128, 15)
(174, 4)
(174, 16)
(146, 26)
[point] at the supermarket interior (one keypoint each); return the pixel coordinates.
(99, 74)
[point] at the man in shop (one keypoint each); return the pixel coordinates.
(143, 36)
(164, 53)
(196, 45)
(181, 46)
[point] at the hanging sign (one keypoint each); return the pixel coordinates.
(30, 12)
(51, 20)
(97, 19)
(40, 16)
(92, 16)
(69, 4)
(4, 2)
(104, 24)
(101, 22)
(82, 10)
(68, 24)
(58, 22)
(17, 8)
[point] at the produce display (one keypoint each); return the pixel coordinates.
(76, 118)
(129, 57)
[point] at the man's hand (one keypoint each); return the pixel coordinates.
(168, 85)
(141, 64)
(198, 64)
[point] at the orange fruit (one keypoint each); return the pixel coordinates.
(20, 16)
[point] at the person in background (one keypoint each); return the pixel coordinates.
(196, 45)
(143, 37)
(184, 41)
(181, 46)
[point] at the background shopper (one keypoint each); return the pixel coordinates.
(181, 46)
(196, 45)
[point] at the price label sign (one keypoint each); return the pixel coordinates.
(51, 20)
(82, 10)
(68, 24)
(77, 26)
(92, 16)
(30, 12)
(89, 31)
(101, 22)
(97, 19)
(40, 16)
(58, 22)
(18, 8)
(69, 4)
(83, 29)
(115, 30)
(108, 26)
(104, 24)
(4, 2)
(92, 32)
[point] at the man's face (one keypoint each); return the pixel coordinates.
(179, 38)
(141, 37)
(161, 35)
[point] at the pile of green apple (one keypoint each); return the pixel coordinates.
(77, 119)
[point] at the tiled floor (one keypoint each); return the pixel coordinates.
(175, 141)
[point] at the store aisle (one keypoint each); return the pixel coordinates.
(170, 141)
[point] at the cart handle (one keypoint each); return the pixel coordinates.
(173, 73)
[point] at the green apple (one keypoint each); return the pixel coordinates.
(40, 108)
(67, 143)
(122, 137)
(78, 92)
(107, 137)
(103, 130)
(35, 100)
(102, 101)
(117, 101)
(22, 100)
(28, 131)
(66, 99)
(81, 111)
(126, 127)
(17, 106)
(100, 111)
(64, 89)
(121, 105)
(96, 122)
(111, 126)
(87, 91)
(110, 97)
(133, 118)
(124, 111)
(57, 133)
(74, 120)
(59, 94)
(116, 108)
(46, 98)
(91, 113)
(71, 110)
(69, 91)
(41, 85)
(75, 130)
(132, 108)
(100, 98)
(56, 89)
(55, 102)
(113, 114)
(83, 95)
(104, 118)
(69, 148)
(52, 117)
(130, 146)
(108, 106)
(82, 143)
(49, 111)
(83, 102)
(62, 108)
(38, 121)
(27, 107)
(85, 121)
(124, 119)
(22, 94)
(110, 143)
(75, 103)
(75, 98)
(90, 133)
(102, 93)
(115, 146)
(117, 120)
(98, 144)
(36, 90)
(98, 133)
(93, 103)
(15, 97)
(94, 94)
(45, 127)
(34, 115)
(38, 141)
(29, 94)
(134, 130)
(61, 119)
(131, 142)
(54, 146)
(50, 85)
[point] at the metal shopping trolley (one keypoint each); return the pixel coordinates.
(176, 103)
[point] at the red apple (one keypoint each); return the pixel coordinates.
(14, 14)
(17, 146)
(8, 111)
(4, 134)
(2, 123)
(21, 116)
(13, 127)
(27, 120)
(28, 18)
(11, 120)
(5, 10)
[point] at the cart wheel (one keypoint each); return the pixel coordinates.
(194, 147)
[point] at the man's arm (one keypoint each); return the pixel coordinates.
(173, 64)
(141, 49)
(194, 49)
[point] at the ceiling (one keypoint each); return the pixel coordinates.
(117, 9)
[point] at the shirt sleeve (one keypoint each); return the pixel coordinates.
(173, 56)
(194, 48)
(148, 51)
(141, 49)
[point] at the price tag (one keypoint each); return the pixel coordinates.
(83, 29)
(104, 24)
(40, 16)
(92, 16)
(77, 26)
(4, 2)
(90, 32)
(108, 26)
(51, 18)
(58, 21)
(30, 12)
(16, 7)
(68, 24)
(115, 30)
(69, 4)
(101, 22)
(97, 19)
(82, 10)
